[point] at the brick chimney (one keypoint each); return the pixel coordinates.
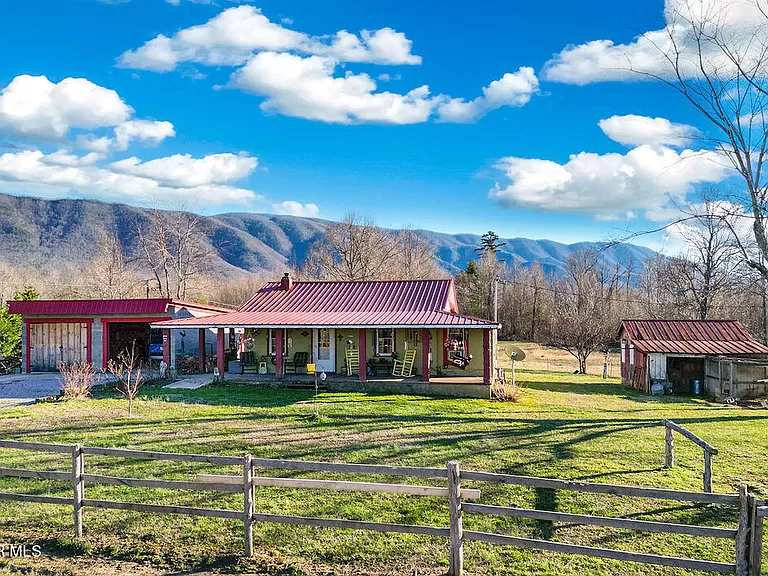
(286, 282)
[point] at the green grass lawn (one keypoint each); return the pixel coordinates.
(566, 426)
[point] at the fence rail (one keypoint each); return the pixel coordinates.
(747, 535)
(709, 450)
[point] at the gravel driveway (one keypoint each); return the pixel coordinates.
(18, 389)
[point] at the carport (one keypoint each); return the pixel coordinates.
(96, 331)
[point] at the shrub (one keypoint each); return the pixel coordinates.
(76, 380)
(506, 390)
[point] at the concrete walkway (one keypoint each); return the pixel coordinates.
(190, 382)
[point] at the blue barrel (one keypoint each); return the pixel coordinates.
(695, 387)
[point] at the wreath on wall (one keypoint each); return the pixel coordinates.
(451, 345)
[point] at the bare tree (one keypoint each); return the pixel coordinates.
(709, 264)
(128, 373)
(586, 308)
(720, 67)
(108, 275)
(357, 249)
(415, 256)
(172, 245)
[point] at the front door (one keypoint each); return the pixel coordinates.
(325, 349)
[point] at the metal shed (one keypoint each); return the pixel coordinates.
(677, 352)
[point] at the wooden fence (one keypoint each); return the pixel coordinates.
(747, 534)
(709, 450)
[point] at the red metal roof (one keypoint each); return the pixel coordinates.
(401, 319)
(711, 337)
(398, 303)
(374, 296)
(144, 306)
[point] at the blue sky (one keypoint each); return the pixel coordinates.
(229, 128)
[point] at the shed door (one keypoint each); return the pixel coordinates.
(657, 364)
(54, 342)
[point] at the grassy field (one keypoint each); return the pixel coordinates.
(566, 426)
(546, 358)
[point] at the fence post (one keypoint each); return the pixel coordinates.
(755, 538)
(707, 471)
(742, 533)
(456, 526)
(78, 486)
(670, 447)
(248, 507)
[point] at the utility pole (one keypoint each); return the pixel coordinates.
(496, 298)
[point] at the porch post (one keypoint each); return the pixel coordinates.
(167, 347)
(220, 351)
(362, 347)
(201, 349)
(425, 355)
(486, 356)
(279, 353)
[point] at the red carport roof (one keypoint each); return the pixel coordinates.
(710, 337)
(129, 306)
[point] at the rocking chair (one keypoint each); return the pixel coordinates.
(404, 367)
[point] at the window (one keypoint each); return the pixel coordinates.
(385, 341)
(273, 343)
(461, 336)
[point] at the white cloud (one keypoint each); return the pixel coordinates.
(633, 130)
(33, 106)
(185, 171)
(306, 88)
(232, 36)
(647, 178)
(292, 208)
(742, 22)
(509, 90)
(44, 173)
(384, 46)
(101, 144)
(67, 158)
(147, 131)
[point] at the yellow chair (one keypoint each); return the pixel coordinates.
(353, 361)
(404, 367)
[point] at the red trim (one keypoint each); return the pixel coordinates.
(27, 367)
(363, 368)
(486, 356)
(64, 320)
(105, 322)
(425, 355)
(220, 351)
(201, 349)
(445, 351)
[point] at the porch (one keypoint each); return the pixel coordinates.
(454, 386)
(444, 356)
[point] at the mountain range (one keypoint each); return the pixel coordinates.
(40, 232)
